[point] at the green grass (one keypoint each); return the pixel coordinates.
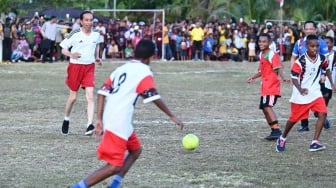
(214, 101)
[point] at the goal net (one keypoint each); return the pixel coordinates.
(149, 22)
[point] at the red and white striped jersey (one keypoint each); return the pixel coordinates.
(122, 89)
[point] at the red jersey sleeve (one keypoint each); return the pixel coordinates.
(146, 89)
(276, 63)
(296, 70)
(106, 88)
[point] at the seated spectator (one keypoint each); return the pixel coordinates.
(129, 51)
(17, 54)
(223, 52)
(26, 54)
(113, 50)
(234, 53)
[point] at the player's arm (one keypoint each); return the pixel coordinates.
(98, 59)
(295, 75)
(146, 89)
(105, 90)
(164, 108)
(329, 76)
(252, 78)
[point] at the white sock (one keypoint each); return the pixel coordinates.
(314, 141)
(66, 118)
(282, 138)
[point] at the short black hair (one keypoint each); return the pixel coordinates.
(311, 37)
(85, 12)
(265, 35)
(144, 49)
(331, 39)
(309, 21)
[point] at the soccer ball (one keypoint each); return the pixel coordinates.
(190, 142)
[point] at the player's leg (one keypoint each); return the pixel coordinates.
(90, 109)
(327, 96)
(73, 85)
(319, 106)
(134, 151)
(297, 112)
(88, 84)
(266, 105)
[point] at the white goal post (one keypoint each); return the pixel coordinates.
(155, 11)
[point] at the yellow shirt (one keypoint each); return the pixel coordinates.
(197, 34)
(165, 35)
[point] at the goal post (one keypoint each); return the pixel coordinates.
(155, 12)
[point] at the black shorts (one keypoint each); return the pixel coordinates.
(268, 101)
(327, 93)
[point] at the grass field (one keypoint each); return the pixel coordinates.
(212, 98)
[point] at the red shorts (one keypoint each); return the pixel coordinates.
(80, 76)
(301, 111)
(112, 148)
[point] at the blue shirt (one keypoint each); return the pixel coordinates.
(300, 47)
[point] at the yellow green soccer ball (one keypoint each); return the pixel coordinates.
(190, 142)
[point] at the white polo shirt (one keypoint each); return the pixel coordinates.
(83, 44)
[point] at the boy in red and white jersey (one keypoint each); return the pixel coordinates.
(116, 100)
(306, 94)
(269, 70)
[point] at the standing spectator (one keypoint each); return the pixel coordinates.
(167, 49)
(251, 50)
(197, 35)
(84, 44)
(9, 35)
(208, 46)
(77, 23)
(136, 38)
(29, 33)
(1, 39)
(48, 31)
(184, 48)
(60, 32)
(102, 30)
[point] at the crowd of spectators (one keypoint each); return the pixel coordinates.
(226, 39)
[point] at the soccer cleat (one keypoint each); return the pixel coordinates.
(316, 146)
(274, 135)
(326, 124)
(303, 128)
(65, 127)
(280, 146)
(89, 130)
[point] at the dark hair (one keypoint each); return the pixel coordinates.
(331, 39)
(85, 12)
(309, 21)
(311, 37)
(265, 35)
(144, 49)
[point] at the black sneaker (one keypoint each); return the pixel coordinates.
(89, 130)
(275, 134)
(65, 127)
(326, 124)
(303, 128)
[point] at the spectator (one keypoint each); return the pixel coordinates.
(129, 51)
(9, 35)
